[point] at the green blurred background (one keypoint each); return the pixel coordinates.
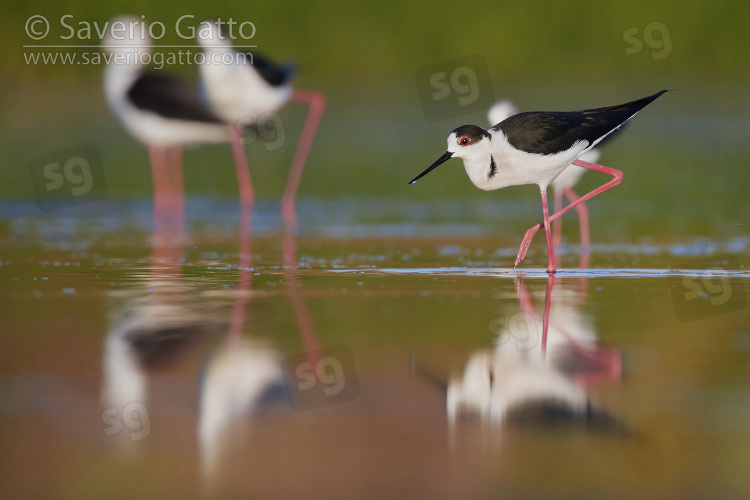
(684, 157)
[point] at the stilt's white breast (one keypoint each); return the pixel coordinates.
(234, 88)
(515, 167)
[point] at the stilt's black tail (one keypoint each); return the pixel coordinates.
(631, 107)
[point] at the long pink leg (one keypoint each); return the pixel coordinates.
(551, 266)
(247, 196)
(174, 157)
(616, 179)
(583, 217)
(176, 202)
(160, 177)
(317, 102)
(557, 225)
(583, 220)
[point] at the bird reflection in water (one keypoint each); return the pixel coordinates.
(157, 328)
(246, 376)
(154, 329)
(540, 368)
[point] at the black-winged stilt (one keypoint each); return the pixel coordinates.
(563, 183)
(162, 111)
(534, 148)
(241, 88)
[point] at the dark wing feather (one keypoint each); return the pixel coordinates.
(550, 132)
(171, 98)
(275, 75)
(542, 132)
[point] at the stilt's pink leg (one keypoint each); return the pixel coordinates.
(557, 225)
(616, 179)
(583, 217)
(551, 266)
(162, 195)
(316, 101)
(177, 201)
(583, 220)
(247, 195)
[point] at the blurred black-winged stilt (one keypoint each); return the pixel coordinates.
(241, 89)
(534, 148)
(162, 111)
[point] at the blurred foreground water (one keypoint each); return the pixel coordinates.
(409, 363)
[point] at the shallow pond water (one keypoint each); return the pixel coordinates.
(337, 366)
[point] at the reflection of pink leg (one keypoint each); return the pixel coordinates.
(316, 101)
(602, 363)
(527, 306)
(247, 195)
(547, 309)
(606, 365)
(240, 306)
(616, 179)
(289, 250)
(524, 297)
(301, 311)
(246, 243)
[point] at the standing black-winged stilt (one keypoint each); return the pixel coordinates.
(563, 183)
(241, 88)
(164, 112)
(534, 148)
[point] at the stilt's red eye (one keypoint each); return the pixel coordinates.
(464, 141)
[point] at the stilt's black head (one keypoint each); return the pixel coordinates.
(459, 140)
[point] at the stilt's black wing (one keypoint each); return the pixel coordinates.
(171, 98)
(275, 75)
(550, 132)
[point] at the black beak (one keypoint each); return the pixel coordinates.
(436, 380)
(447, 156)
